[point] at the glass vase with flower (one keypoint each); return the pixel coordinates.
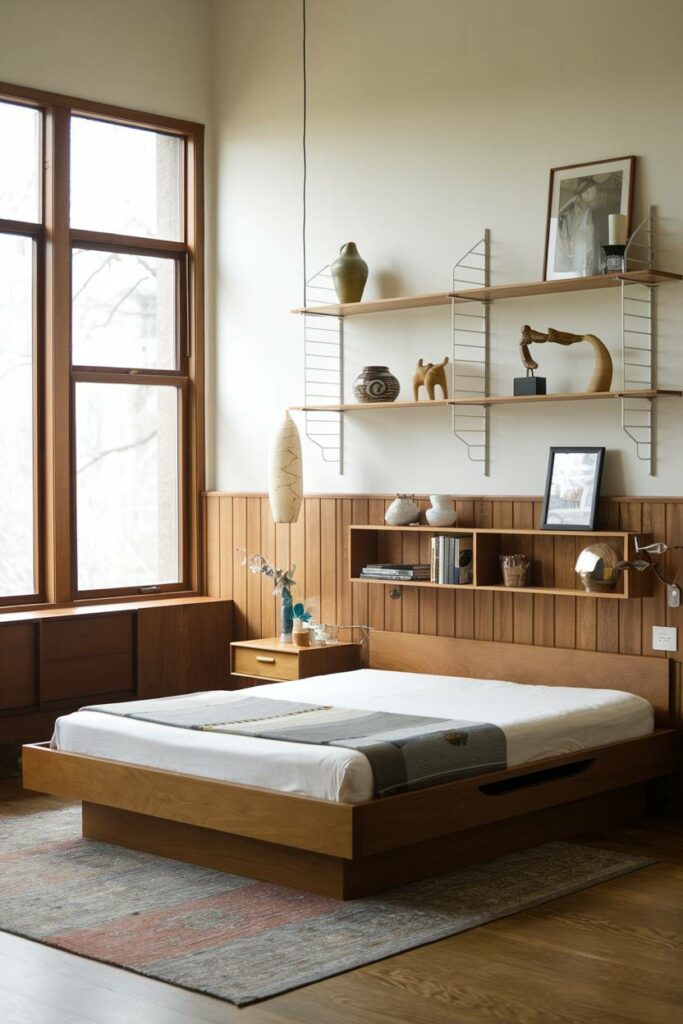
(283, 581)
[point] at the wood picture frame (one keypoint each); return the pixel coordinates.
(580, 199)
(572, 488)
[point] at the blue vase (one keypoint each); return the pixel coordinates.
(286, 616)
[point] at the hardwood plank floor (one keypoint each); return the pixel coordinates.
(608, 955)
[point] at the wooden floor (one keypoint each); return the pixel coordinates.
(608, 955)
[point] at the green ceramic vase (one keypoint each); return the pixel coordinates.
(349, 273)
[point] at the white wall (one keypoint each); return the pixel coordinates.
(150, 55)
(427, 122)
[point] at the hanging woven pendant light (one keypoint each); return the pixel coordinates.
(285, 483)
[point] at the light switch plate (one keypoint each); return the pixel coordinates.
(664, 638)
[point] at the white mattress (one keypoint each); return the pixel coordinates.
(538, 721)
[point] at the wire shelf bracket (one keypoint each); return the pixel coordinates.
(324, 370)
(471, 345)
(638, 343)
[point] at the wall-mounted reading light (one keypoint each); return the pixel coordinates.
(673, 591)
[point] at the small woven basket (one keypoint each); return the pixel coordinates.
(515, 570)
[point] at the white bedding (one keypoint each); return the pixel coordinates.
(538, 721)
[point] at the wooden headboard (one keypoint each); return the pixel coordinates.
(521, 663)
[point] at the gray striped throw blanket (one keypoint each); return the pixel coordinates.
(405, 752)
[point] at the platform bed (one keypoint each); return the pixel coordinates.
(349, 850)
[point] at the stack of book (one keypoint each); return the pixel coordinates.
(391, 571)
(451, 559)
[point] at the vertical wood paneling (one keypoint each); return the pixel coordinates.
(226, 548)
(376, 507)
(483, 602)
(268, 549)
(631, 612)
(523, 604)
(318, 545)
(411, 596)
(328, 560)
(608, 618)
(293, 546)
(239, 573)
(212, 533)
(654, 608)
(393, 617)
(503, 629)
(254, 580)
(544, 607)
(564, 610)
(310, 582)
(359, 592)
(464, 605)
(344, 600)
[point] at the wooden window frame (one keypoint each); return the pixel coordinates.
(55, 377)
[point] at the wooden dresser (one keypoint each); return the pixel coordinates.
(55, 660)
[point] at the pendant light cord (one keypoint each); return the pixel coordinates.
(304, 153)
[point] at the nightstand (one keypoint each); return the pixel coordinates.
(277, 662)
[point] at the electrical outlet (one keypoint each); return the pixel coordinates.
(664, 638)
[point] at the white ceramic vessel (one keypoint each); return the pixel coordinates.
(284, 472)
(442, 511)
(402, 511)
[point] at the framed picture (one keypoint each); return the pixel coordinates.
(580, 200)
(572, 488)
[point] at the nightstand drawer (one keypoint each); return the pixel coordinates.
(269, 664)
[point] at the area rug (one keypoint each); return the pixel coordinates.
(241, 940)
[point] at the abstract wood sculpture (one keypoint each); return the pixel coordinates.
(602, 371)
(429, 375)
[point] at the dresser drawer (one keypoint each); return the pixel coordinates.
(87, 636)
(266, 664)
(17, 665)
(87, 656)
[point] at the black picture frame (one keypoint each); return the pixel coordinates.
(572, 489)
(570, 179)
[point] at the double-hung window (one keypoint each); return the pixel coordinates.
(101, 460)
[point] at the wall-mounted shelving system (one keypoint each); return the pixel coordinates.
(372, 544)
(470, 298)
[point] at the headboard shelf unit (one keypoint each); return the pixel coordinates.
(553, 554)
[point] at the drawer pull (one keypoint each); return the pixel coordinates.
(266, 661)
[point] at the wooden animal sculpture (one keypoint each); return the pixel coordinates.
(429, 375)
(602, 371)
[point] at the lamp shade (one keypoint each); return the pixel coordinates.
(285, 484)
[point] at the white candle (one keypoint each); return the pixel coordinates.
(617, 229)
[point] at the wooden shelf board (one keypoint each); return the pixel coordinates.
(375, 406)
(552, 591)
(547, 591)
(492, 293)
(414, 583)
(568, 284)
(468, 531)
(572, 396)
(378, 305)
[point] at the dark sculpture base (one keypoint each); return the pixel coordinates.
(529, 386)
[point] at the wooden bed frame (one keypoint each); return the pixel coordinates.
(348, 850)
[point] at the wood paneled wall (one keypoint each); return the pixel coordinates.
(318, 545)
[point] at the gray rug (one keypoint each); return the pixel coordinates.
(241, 940)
